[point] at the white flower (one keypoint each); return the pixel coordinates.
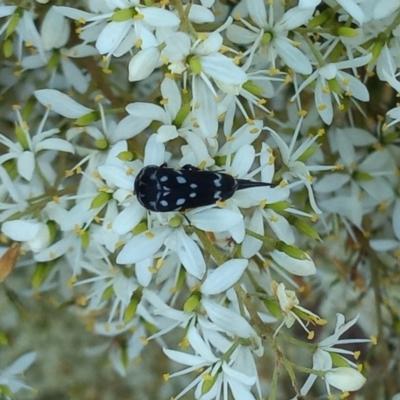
(385, 245)
(343, 378)
(206, 59)
(244, 135)
(364, 173)
(218, 375)
(25, 151)
(124, 28)
(119, 177)
(148, 243)
(142, 114)
(18, 197)
(289, 303)
(298, 169)
(35, 234)
(9, 375)
(107, 277)
(54, 35)
(347, 84)
(269, 37)
(203, 60)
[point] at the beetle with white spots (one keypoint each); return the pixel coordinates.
(163, 189)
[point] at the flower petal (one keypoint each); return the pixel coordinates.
(227, 319)
(143, 64)
(346, 379)
(214, 219)
(223, 277)
(61, 103)
(142, 246)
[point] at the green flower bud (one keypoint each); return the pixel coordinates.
(320, 19)
(195, 65)
(42, 270)
(307, 153)
(3, 341)
(251, 87)
(139, 228)
(279, 206)
(305, 228)
(347, 31)
(208, 384)
(8, 48)
(21, 137)
(53, 62)
(102, 144)
(130, 311)
(192, 302)
(362, 176)
(123, 15)
(108, 293)
(267, 37)
(338, 361)
(85, 239)
(291, 251)
(87, 119)
(334, 86)
(126, 156)
(14, 21)
(101, 199)
(176, 221)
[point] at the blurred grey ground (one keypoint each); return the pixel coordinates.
(62, 370)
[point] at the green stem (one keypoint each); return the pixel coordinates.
(210, 247)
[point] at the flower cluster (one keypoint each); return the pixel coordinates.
(284, 94)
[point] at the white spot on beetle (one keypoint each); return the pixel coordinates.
(180, 179)
(217, 182)
(179, 202)
(164, 178)
(192, 195)
(193, 185)
(164, 203)
(217, 194)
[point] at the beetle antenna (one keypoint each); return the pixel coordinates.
(244, 184)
